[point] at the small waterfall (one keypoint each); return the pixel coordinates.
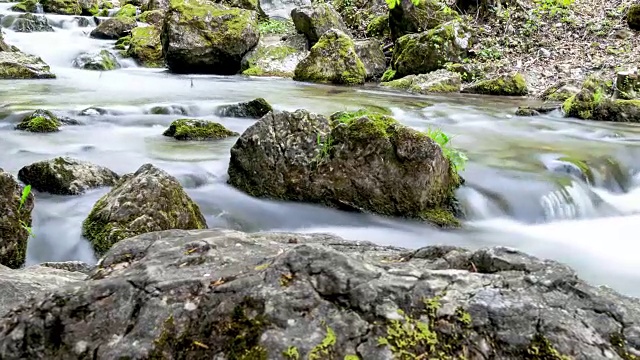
(572, 201)
(39, 9)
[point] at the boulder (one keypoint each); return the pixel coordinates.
(560, 91)
(3, 45)
(593, 92)
(275, 58)
(66, 176)
(315, 20)
(155, 5)
(222, 294)
(507, 85)
(21, 285)
(253, 5)
(627, 85)
(633, 17)
(43, 121)
(102, 60)
(333, 59)
(254, 109)
(357, 161)
(378, 27)
(372, 57)
(27, 6)
(127, 10)
(15, 219)
(201, 37)
(16, 65)
(431, 50)
(408, 18)
(148, 200)
(153, 17)
(27, 23)
(70, 7)
(439, 81)
(194, 129)
(114, 28)
(145, 46)
(536, 110)
(169, 110)
(359, 14)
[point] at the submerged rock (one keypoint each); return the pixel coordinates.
(145, 46)
(333, 59)
(148, 200)
(275, 58)
(439, 81)
(66, 176)
(255, 109)
(507, 85)
(358, 161)
(408, 18)
(320, 297)
(194, 129)
(315, 20)
(102, 60)
(14, 220)
(27, 23)
(40, 121)
(372, 57)
(114, 28)
(169, 110)
(16, 65)
(202, 37)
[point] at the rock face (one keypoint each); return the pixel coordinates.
(439, 81)
(202, 37)
(275, 58)
(20, 285)
(102, 60)
(431, 50)
(408, 18)
(148, 200)
(372, 57)
(356, 161)
(114, 28)
(218, 294)
(145, 46)
(333, 59)
(254, 109)
(194, 129)
(315, 20)
(13, 235)
(508, 85)
(28, 23)
(66, 176)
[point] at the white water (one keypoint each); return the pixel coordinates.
(512, 198)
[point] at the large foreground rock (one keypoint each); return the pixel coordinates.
(13, 218)
(114, 28)
(202, 37)
(148, 200)
(220, 294)
(357, 161)
(66, 176)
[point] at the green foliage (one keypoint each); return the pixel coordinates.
(393, 3)
(25, 194)
(457, 158)
(325, 348)
(272, 26)
(324, 146)
(291, 353)
(553, 7)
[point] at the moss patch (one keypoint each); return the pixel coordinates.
(40, 121)
(145, 46)
(127, 11)
(193, 129)
(507, 85)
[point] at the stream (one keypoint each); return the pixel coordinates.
(516, 194)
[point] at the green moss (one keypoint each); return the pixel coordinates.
(29, 6)
(365, 124)
(193, 129)
(509, 85)
(633, 17)
(541, 349)
(145, 46)
(274, 26)
(325, 349)
(63, 7)
(441, 217)
(270, 53)
(123, 42)
(291, 353)
(379, 26)
(103, 13)
(619, 342)
(402, 83)
(388, 75)
(127, 11)
(40, 121)
(153, 17)
(584, 168)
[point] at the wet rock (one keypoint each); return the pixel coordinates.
(153, 17)
(70, 7)
(560, 91)
(82, 22)
(633, 17)
(319, 296)
(3, 45)
(127, 10)
(102, 60)
(255, 109)
(507, 85)
(145, 46)
(66, 176)
(536, 110)
(408, 18)
(194, 129)
(114, 28)
(431, 50)
(439, 81)
(333, 59)
(169, 110)
(40, 121)
(214, 43)
(372, 57)
(315, 20)
(153, 5)
(21, 285)
(148, 200)
(18, 65)
(379, 27)
(13, 220)
(27, 23)
(357, 161)
(93, 111)
(72, 266)
(278, 58)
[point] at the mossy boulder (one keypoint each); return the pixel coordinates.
(102, 60)
(379, 27)
(70, 7)
(254, 109)
(152, 5)
(169, 110)
(439, 81)
(66, 176)
(40, 121)
(507, 85)
(431, 50)
(361, 161)
(153, 17)
(333, 59)
(536, 110)
(114, 28)
(27, 23)
(618, 111)
(633, 17)
(594, 91)
(275, 58)
(13, 219)
(28, 6)
(127, 10)
(370, 53)
(146, 201)
(145, 46)
(358, 14)
(202, 37)
(560, 91)
(408, 18)
(16, 65)
(315, 20)
(253, 5)
(123, 43)
(194, 129)
(3, 45)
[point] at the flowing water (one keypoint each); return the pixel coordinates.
(517, 193)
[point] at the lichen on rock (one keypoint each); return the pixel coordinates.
(145, 46)
(194, 129)
(40, 121)
(13, 219)
(370, 53)
(275, 58)
(15, 65)
(507, 85)
(439, 81)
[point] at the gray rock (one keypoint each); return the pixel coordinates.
(13, 219)
(18, 65)
(315, 20)
(66, 176)
(44, 121)
(27, 23)
(18, 286)
(114, 28)
(255, 109)
(408, 18)
(536, 110)
(72, 266)
(215, 294)
(148, 200)
(274, 56)
(439, 81)
(102, 60)
(372, 56)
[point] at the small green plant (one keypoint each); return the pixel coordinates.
(457, 158)
(325, 348)
(272, 26)
(25, 194)
(323, 146)
(393, 3)
(291, 353)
